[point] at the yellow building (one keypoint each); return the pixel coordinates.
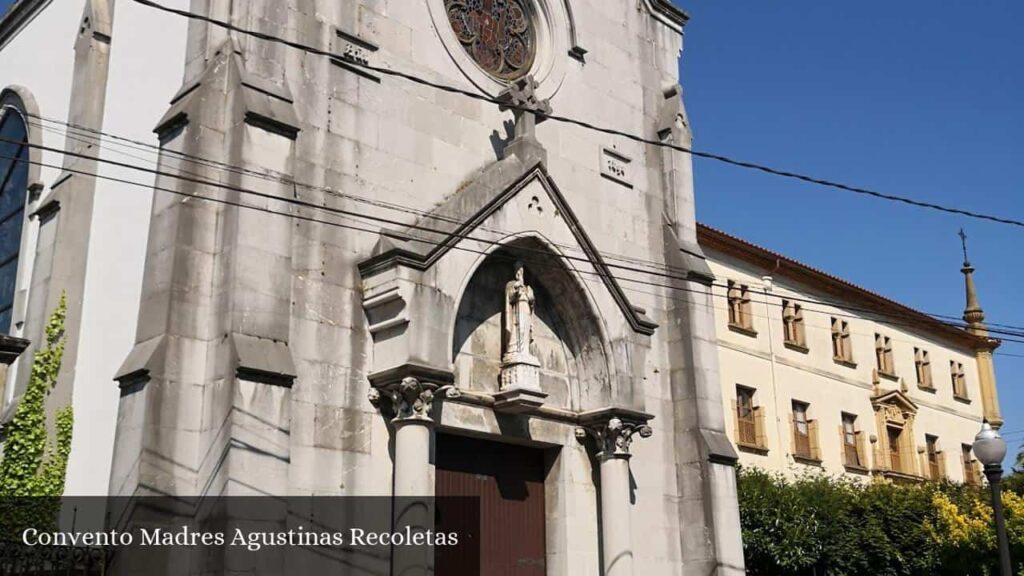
(819, 374)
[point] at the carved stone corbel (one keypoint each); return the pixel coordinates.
(614, 436)
(411, 399)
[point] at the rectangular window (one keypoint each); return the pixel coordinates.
(970, 470)
(932, 443)
(801, 430)
(895, 460)
(747, 425)
(841, 348)
(883, 354)
(793, 323)
(740, 310)
(923, 367)
(959, 381)
(851, 456)
(750, 427)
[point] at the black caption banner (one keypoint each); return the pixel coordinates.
(258, 535)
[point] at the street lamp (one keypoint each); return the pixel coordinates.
(990, 449)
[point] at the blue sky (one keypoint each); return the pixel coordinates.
(916, 98)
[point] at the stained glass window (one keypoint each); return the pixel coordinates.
(498, 34)
(13, 188)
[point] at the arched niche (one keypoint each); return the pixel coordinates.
(569, 337)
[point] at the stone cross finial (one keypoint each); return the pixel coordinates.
(963, 243)
(521, 98)
(973, 314)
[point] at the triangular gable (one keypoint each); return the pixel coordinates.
(420, 246)
(898, 399)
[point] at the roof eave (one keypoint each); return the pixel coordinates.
(714, 239)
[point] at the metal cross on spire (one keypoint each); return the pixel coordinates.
(963, 243)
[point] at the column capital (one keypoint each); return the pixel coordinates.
(614, 432)
(411, 399)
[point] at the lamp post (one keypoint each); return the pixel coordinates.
(990, 449)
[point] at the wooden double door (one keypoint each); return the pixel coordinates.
(508, 480)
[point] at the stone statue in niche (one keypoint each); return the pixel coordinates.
(519, 367)
(519, 309)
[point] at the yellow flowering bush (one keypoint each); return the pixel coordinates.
(821, 526)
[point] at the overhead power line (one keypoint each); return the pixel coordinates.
(1007, 330)
(285, 179)
(589, 125)
(544, 261)
(443, 233)
(190, 177)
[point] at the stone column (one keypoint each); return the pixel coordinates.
(613, 440)
(413, 484)
(412, 401)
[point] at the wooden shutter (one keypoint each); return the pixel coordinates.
(862, 451)
(812, 432)
(736, 420)
(759, 428)
(923, 465)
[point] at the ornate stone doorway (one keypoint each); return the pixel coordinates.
(509, 481)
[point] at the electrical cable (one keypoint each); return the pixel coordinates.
(393, 234)
(588, 125)
(847, 306)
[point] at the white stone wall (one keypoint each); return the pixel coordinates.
(408, 148)
(781, 375)
(147, 55)
(147, 52)
(414, 146)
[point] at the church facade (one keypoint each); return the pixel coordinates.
(347, 282)
(381, 261)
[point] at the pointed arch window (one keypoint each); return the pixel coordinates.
(13, 191)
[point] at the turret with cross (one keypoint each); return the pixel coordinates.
(973, 314)
(975, 318)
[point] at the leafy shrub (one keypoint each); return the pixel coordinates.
(822, 526)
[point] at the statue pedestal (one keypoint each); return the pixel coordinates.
(520, 385)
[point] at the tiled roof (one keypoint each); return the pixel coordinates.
(779, 265)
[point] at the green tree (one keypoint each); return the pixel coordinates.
(33, 466)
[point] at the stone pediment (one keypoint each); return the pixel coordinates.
(463, 217)
(896, 404)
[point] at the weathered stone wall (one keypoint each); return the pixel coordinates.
(254, 358)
